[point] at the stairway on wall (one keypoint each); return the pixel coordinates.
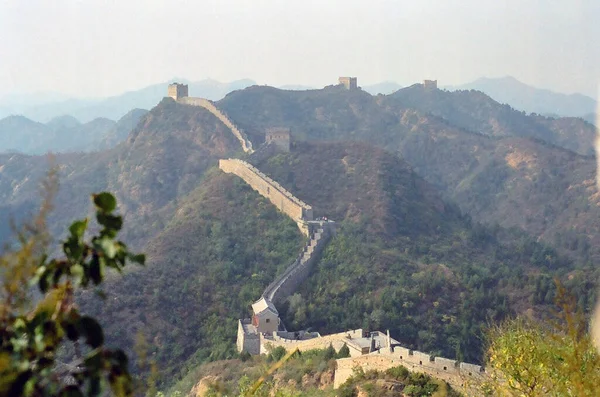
(210, 106)
(299, 269)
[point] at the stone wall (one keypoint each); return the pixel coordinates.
(350, 83)
(430, 84)
(248, 341)
(463, 379)
(210, 106)
(322, 342)
(285, 285)
(281, 198)
(177, 91)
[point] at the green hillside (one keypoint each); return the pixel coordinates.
(463, 143)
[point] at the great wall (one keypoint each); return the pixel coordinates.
(179, 92)
(265, 331)
(296, 209)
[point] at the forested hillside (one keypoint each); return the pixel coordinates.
(403, 259)
(408, 186)
(464, 143)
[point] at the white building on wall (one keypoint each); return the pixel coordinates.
(266, 316)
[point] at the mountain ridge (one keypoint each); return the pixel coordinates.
(531, 99)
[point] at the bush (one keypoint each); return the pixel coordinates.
(344, 352)
(277, 353)
(398, 373)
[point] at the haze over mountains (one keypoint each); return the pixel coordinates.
(65, 133)
(45, 106)
(112, 108)
(530, 99)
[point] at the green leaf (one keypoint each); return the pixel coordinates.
(93, 362)
(78, 228)
(111, 222)
(108, 247)
(105, 201)
(43, 283)
(78, 273)
(73, 249)
(94, 269)
(119, 360)
(92, 331)
(137, 258)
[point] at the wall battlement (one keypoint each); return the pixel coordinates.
(466, 379)
(296, 209)
(430, 85)
(210, 106)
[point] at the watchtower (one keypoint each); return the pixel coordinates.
(430, 85)
(177, 90)
(350, 83)
(280, 137)
(266, 316)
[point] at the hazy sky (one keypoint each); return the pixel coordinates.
(100, 48)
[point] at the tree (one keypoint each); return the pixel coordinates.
(32, 334)
(344, 352)
(526, 358)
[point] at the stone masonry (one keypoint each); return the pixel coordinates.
(279, 137)
(296, 209)
(350, 83)
(462, 376)
(210, 106)
(430, 85)
(285, 285)
(179, 92)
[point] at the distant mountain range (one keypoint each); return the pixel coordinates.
(65, 133)
(531, 99)
(114, 107)
(44, 107)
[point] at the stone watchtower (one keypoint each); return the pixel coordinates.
(430, 85)
(280, 137)
(177, 90)
(350, 83)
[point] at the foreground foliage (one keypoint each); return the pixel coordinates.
(531, 359)
(32, 335)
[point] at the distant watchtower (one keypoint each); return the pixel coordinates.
(279, 137)
(430, 85)
(350, 83)
(177, 90)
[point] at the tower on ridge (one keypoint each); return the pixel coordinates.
(350, 83)
(280, 137)
(177, 90)
(430, 85)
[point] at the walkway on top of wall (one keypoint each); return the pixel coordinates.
(210, 106)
